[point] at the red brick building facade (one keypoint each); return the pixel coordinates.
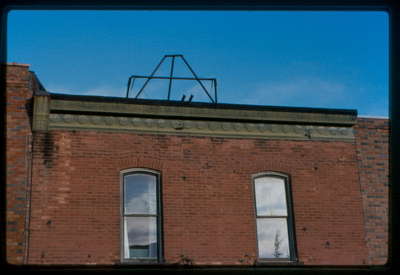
(67, 157)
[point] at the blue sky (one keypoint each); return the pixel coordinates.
(305, 59)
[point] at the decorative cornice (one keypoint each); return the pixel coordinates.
(200, 127)
(40, 112)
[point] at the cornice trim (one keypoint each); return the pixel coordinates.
(200, 128)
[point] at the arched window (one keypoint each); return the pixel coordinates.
(141, 216)
(275, 232)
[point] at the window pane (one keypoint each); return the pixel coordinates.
(270, 196)
(140, 194)
(142, 237)
(272, 238)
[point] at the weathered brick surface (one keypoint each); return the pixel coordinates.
(208, 207)
(373, 155)
(18, 134)
(207, 196)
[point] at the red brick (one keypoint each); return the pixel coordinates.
(339, 191)
(209, 215)
(17, 155)
(374, 179)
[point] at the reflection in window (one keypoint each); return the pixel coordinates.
(140, 216)
(274, 229)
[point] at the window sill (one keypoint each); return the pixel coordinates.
(140, 262)
(261, 262)
(150, 264)
(155, 262)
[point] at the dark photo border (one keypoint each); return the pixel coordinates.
(393, 10)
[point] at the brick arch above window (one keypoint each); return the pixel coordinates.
(126, 163)
(272, 173)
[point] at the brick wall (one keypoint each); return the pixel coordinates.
(207, 200)
(18, 134)
(373, 155)
(207, 196)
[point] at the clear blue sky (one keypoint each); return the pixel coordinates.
(305, 59)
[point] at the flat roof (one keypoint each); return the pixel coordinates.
(158, 102)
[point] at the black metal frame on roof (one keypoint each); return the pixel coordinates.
(132, 79)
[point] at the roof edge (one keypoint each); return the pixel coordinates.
(157, 102)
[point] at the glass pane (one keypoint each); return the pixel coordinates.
(142, 237)
(140, 194)
(273, 239)
(270, 196)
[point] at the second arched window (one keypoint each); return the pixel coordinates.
(275, 236)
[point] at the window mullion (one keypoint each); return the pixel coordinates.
(263, 216)
(140, 215)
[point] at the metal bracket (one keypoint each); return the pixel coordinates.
(132, 79)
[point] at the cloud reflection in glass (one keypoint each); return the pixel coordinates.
(140, 210)
(271, 207)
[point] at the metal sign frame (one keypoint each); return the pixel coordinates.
(132, 79)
